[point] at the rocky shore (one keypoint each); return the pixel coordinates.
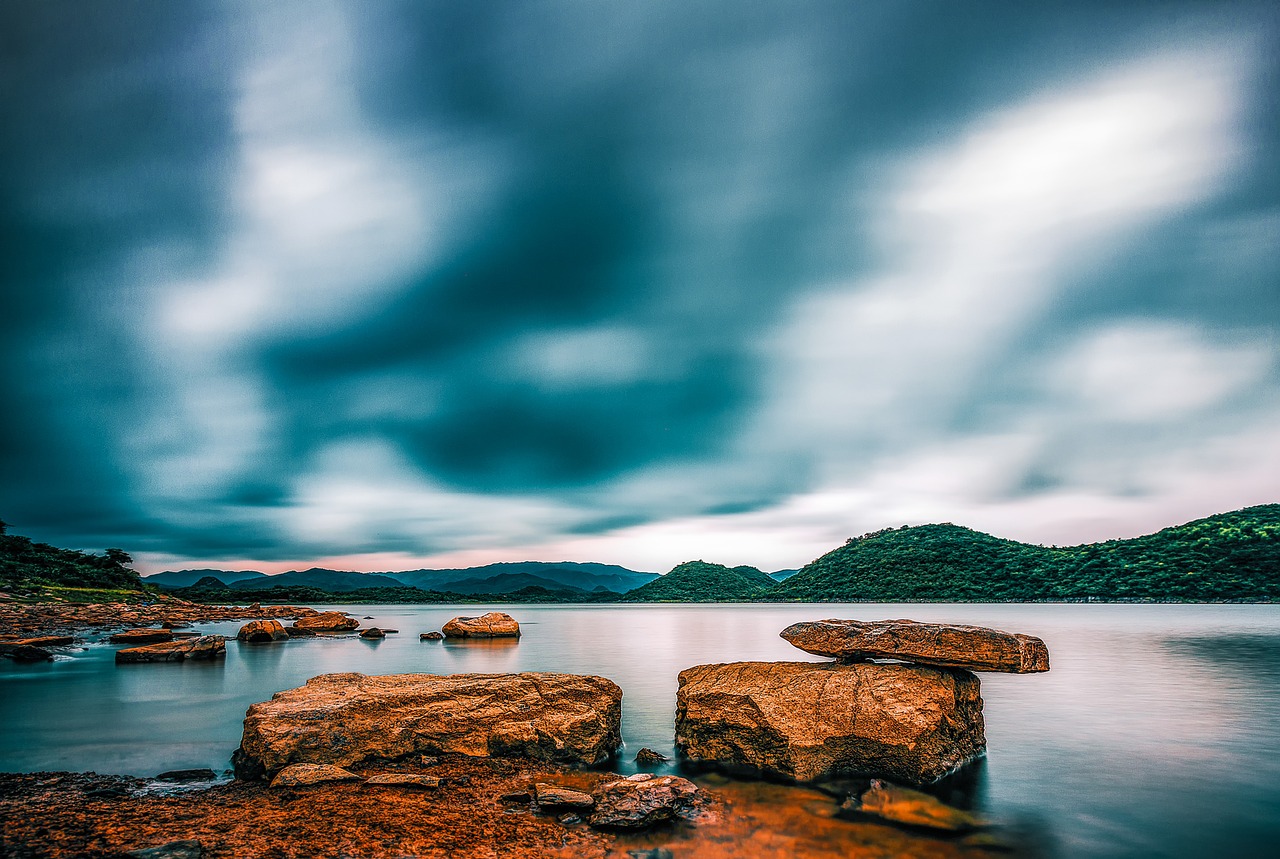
(29, 620)
(508, 764)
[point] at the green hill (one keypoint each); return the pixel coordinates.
(1230, 556)
(698, 581)
(28, 566)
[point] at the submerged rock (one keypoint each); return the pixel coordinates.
(257, 631)
(495, 624)
(19, 652)
(807, 721)
(642, 801)
(185, 849)
(203, 774)
(327, 621)
(903, 805)
(372, 632)
(948, 645)
(649, 756)
(305, 775)
(406, 780)
(204, 647)
(344, 719)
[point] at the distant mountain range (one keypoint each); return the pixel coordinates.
(500, 578)
(1229, 556)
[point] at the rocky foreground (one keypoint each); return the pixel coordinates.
(483, 808)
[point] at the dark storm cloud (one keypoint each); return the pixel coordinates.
(261, 259)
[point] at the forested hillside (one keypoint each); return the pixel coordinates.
(699, 581)
(1227, 556)
(26, 565)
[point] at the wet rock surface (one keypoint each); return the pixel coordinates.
(947, 645)
(642, 801)
(431, 636)
(495, 624)
(203, 647)
(373, 632)
(344, 719)
(807, 721)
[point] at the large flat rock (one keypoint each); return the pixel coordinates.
(808, 721)
(327, 621)
(346, 719)
(948, 645)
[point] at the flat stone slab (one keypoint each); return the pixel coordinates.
(813, 720)
(204, 647)
(327, 621)
(345, 719)
(556, 796)
(141, 636)
(305, 775)
(642, 801)
(947, 645)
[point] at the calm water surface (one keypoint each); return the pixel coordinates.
(1156, 734)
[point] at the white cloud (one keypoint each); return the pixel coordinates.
(1149, 373)
(983, 232)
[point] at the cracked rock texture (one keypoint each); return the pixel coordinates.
(808, 721)
(344, 719)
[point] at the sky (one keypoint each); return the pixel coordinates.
(389, 285)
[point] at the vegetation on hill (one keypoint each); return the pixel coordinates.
(699, 581)
(210, 590)
(29, 566)
(1228, 556)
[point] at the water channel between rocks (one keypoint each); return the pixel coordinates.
(1153, 735)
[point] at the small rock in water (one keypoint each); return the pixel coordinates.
(368, 617)
(204, 774)
(655, 853)
(569, 818)
(188, 849)
(912, 807)
(431, 636)
(649, 756)
(372, 632)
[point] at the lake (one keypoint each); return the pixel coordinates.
(1156, 734)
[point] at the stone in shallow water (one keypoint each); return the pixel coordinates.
(495, 624)
(204, 647)
(807, 721)
(948, 645)
(259, 631)
(373, 632)
(344, 719)
(327, 621)
(141, 636)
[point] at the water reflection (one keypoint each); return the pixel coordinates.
(1153, 735)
